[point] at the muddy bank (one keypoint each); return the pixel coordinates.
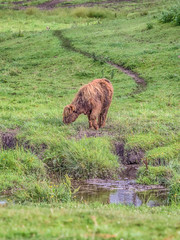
(133, 156)
(8, 139)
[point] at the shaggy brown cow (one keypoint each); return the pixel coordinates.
(93, 100)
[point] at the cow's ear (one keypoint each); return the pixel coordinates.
(72, 107)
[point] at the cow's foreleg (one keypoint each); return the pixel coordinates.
(99, 120)
(92, 120)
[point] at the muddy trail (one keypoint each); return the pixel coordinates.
(66, 43)
(49, 5)
(68, 3)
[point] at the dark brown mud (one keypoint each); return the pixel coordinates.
(66, 43)
(133, 156)
(8, 139)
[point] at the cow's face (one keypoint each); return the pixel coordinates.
(69, 114)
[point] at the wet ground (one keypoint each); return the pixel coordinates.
(123, 191)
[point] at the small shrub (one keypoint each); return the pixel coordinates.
(174, 192)
(144, 13)
(91, 12)
(154, 175)
(177, 19)
(163, 155)
(21, 162)
(32, 11)
(44, 191)
(171, 15)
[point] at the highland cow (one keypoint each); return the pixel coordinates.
(93, 100)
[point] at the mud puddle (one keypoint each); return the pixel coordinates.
(123, 191)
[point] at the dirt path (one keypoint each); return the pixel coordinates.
(66, 43)
(48, 5)
(52, 4)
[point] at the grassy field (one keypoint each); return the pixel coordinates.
(78, 221)
(40, 74)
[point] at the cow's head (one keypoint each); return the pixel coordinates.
(69, 114)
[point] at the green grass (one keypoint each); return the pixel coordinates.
(38, 77)
(25, 177)
(148, 120)
(81, 221)
(86, 158)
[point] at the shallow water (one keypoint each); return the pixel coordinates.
(3, 202)
(124, 191)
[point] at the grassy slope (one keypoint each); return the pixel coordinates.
(148, 120)
(77, 221)
(39, 77)
(33, 93)
(34, 3)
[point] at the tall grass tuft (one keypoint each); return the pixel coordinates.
(86, 158)
(171, 15)
(83, 12)
(32, 11)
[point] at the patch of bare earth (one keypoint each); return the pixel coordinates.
(92, 4)
(48, 5)
(90, 133)
(51, 4)
(127, 157)
(8, 138)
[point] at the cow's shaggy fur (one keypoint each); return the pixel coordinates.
(93, 100)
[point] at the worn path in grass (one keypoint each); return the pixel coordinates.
(48, 5)
(54, 3)
(66, 43)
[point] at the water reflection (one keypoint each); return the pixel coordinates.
(123, 191)
(3, 202)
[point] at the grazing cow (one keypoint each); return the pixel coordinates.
(93, 100)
